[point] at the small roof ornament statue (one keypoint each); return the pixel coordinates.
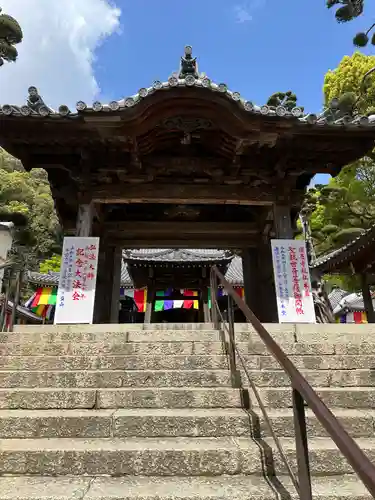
(188, 65)
(10, 35)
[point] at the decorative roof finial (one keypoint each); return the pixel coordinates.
(188, 65)
(36, 103)
(10, 35)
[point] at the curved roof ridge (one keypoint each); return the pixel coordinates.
(187, 77)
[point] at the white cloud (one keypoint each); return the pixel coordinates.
(57, 53)
(244, 12)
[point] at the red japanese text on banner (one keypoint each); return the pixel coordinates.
(76, 292)
(292, 282)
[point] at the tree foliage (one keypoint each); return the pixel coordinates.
(286, 99)
(345, 84)
(346, 11)
(27, 195)
(53, 264)
(10, 35)
(343, 209)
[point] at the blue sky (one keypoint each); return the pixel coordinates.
(257, 47)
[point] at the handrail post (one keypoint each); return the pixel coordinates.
(302, 450)
(16, 299)
(214, 304)
(232, 344)
(7, 281)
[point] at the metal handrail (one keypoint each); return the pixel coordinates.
(301, 392)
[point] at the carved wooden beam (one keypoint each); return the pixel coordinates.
(220, 243)
(188, 194)
(134, 151)
(224, 229)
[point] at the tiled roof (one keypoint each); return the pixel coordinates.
(176, 255)
(351, 303)
(234, 273)
(52, 278)
(6, 226)
(36, 108)
(22, 312)
(339, 255)
(336, 296)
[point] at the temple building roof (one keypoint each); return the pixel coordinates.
(187, 77)
(176, 255)
(358, 255)
(233, 274)
(202, 83)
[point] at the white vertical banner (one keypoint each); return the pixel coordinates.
(76, 292)
(292, 282)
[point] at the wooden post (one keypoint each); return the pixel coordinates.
(203, 304)
(85, 217)
(104, 284)
(150, 304)
(251, 281)
(116, 283)
(367, 300)
(267, 292)
(282, 222)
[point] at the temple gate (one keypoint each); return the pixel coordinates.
(185, 163)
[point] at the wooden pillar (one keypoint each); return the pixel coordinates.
(251, 281)
(150, 305)
(369, 308)
(282, 222)
(267, 292)
(85, 217)
(206, 308)
(116, 283)
(104, 284)
(200, 303)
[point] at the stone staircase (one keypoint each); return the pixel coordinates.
(118, 412)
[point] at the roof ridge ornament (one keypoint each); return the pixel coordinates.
(36, 103)
(188, 64)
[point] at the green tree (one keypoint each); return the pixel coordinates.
(52, 264)
(346, 84)
(346, 11)
(10, 35)
(286, 99)
(28, 195)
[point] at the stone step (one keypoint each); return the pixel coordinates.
(358, 423)
(130, 456)
(164, 422)
(317, 378)
(333, 397)
(166, 457)
(178, 378)
(325, 457)
(176, 362)
(115, 378)
(124, 423)
(62, 334)
(318, 362)
(110, 348)
(178, 488)
(50, 398)
(105, 362)
(108, 343)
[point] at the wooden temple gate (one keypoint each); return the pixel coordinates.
(185, 163)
